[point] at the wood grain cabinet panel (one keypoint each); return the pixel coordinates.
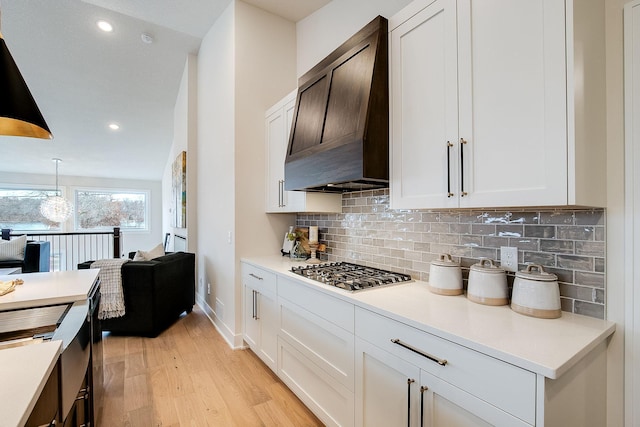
(340, 126)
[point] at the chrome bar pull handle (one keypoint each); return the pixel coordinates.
(254, 304)
(409, 382)
(441, 362)
(449, 193)
(255, 277)
(257, 294)
(283, 202)
(281, 193)
(462, 144)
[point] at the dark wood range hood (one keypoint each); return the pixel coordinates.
(339, 139)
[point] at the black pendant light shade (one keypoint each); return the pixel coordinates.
(19, 114)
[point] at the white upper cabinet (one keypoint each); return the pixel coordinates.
(277, 127)
(487, 104)
(424, 107)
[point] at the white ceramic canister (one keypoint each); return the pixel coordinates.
(445, 276)
(487, 284)
(536, 293)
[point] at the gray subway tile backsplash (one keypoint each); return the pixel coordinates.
(576, 232)
(557, 246)
(593, 280)
(557, 217)
(540, 231)
(573, 262)
(567, 242)
(590, 248)
(590, 217)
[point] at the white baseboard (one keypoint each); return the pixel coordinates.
(234, 340)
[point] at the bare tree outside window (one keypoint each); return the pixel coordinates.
(108, 209)
(20, 209)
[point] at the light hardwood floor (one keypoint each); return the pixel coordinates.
(188, 376)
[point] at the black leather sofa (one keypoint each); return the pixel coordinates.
(156, 293)
(36, 258)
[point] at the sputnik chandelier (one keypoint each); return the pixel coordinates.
(56, 208)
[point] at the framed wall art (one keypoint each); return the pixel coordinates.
(179, 191)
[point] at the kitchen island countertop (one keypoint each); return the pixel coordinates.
(549, 347)
(23, 373)
(48, 288)
(24, 370)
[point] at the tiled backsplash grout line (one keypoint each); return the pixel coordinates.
(567, 242)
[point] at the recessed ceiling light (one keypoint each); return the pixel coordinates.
(146, 38)
(105, 26)
(114, 126)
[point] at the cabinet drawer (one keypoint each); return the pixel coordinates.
(327, 345)
(501, 384)
(327, 398)
(325, 306)
(259, 279)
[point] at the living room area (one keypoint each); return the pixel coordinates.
(118, 138)
(214, 116)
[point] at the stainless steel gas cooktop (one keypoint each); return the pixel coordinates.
(351, 277)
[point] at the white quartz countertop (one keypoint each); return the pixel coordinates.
(24, 371)
(48, 288)
(548, 347)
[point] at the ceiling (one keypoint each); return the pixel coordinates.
(83, 79)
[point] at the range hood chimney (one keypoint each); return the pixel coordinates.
(339, 140)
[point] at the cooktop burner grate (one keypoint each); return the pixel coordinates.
(351, 277)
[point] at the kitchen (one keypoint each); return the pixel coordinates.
(307, 336)
(242, 230)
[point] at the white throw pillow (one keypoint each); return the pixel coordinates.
(13, 250)
(156, 252)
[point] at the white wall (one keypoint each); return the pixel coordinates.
(216, 169)
(615, 297)
(265, 72)
(132, 240)
(321, 32)
(184, 139)
(245, 64)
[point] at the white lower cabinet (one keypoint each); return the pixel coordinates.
(385, 390)
(329, 400)
(351, 365)
(260, 313)
(316, 351)
(406, 377)
(393, 392)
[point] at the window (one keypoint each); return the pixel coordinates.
(20, 209)
(105, 209)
